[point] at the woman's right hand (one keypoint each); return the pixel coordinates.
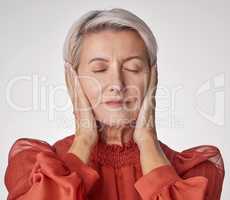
(86, 135)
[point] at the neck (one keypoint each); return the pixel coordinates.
(116, 135)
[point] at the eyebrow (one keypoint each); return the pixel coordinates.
(125, 60)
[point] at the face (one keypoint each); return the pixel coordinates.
(114, 65)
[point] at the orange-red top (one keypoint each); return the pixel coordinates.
(39, 171)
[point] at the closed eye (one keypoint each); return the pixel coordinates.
(99, 71)
(133, 70)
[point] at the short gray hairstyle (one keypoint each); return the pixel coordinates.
(98, 20)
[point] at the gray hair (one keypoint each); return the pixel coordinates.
(114, 19)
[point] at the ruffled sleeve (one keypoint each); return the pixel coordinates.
(196, 173)
(35, 172)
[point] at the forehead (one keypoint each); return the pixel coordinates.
(108, 43)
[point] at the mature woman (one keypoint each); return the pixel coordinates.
(111, 66)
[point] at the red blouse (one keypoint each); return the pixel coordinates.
(39, 171)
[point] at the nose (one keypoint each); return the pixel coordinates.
(116, 88)
(117, 83)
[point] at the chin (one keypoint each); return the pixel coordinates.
(116, 118)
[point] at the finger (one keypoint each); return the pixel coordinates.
(150, 96)
(150, 105)
(153, 81)
(75, 91)
(73, 95)
(76, 107)
(152, 78)
(151, 93)
(85, 113)
(68, 82)
(82, 99)
(147, 108)
(151, 120)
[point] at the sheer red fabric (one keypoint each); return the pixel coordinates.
(40, 171)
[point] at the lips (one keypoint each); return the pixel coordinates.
(117, 101)
(114, 103)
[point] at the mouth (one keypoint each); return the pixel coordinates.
(116, 104)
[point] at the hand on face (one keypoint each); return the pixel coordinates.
(145, 123)
(84, 117)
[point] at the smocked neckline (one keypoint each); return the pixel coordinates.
(116, 147)
(116, 155)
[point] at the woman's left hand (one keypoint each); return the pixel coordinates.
(145, 123)
(151, 154)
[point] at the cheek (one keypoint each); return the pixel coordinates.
(92, 89)
(135, 93)
(137, 87)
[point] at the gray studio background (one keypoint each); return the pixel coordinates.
(193, 61)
